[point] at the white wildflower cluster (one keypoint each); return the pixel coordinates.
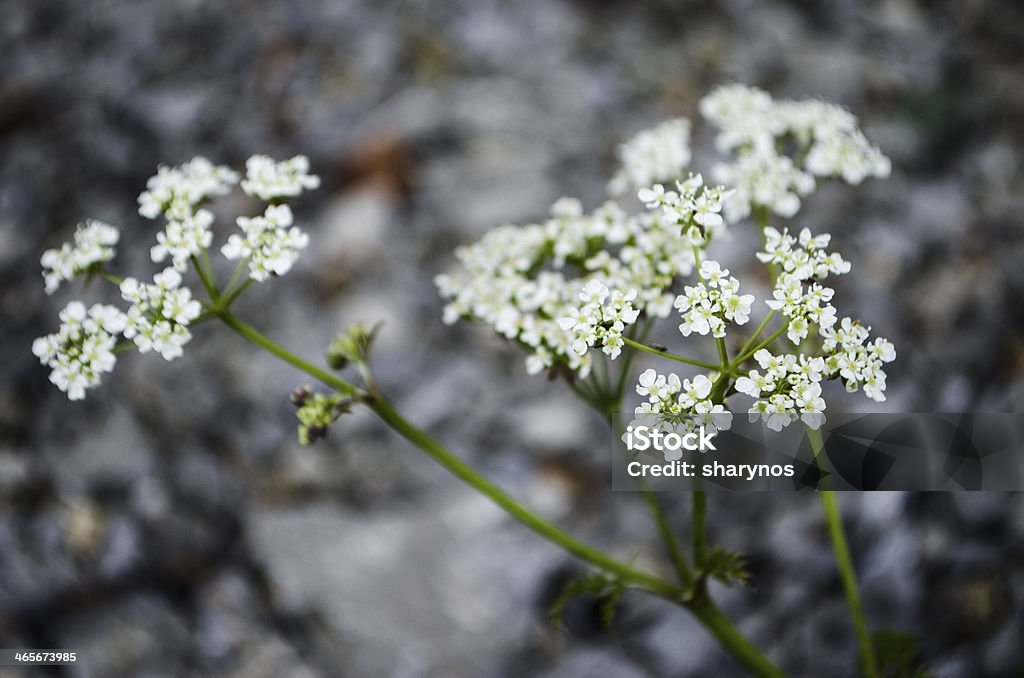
(659, 154)
(788, 387)
(523, 279)
(83, 348)
(714, 301)
(160, 313)
(857, 360)
(695, 206)
(183, 239)
(679, 405)
(175, 192)
(800, 259)
(269, 180)
(601, 319)
(270, 242)
(823, 139)
(94, 244)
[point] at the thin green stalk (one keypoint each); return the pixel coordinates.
(229, 299)
(743, 357)
(668, 537)
(757, 333)
(847, 574)
(699, 520)
(671, 356)
(287, 356)
(211, 290)
(728, 636)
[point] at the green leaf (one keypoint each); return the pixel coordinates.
(598, 586)
(898, 655)
(725, 567)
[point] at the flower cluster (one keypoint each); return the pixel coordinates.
(789, 388)
(601, 320)
(856, 360)
(160, 313)
(94, 244)
(183, 239)
(694, 206)
(809, 260)
(176, 191)
(679, 405)
(659, 154)
(523, 279)
(272, 181)
(715, 300)
(83, 348)
(824, 138)
(270, 242)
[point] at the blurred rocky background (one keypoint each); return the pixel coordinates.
(170, 525)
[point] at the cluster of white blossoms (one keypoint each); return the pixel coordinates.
(270, 242)
(823, 139)
(857, 360)
(799, 260)
(176, 191)
(83, 348)
(788, 388)
(695, 206)
(714, 301)
(270, 180)
(601, 320)
(160, 313)
(523, 280)
(659, 154)
(94, 244)
(679, 405)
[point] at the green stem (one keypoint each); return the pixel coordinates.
(729, 637)
(744, 356)
(671, 356)
(699, 529)
(465, 473)
(287, 356)
(211, 290)
(757, 333)
(847, 573)
(229, 299)
(668, 537)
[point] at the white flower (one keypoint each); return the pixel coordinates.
(653, 155)
(83, 348)
(707, 306)
(183, 239)
(160, 314)
(94, 244)
(270, 180)
(270, 242)
(824, 138)
(856, 361)
(176, 191)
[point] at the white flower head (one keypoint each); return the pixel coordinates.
(269, 180)
(160, 313)
(94, 244)
(176, 191)
(82, 350)
(659, 154)
(270, 242)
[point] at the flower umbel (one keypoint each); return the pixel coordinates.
(94, 244)
(270, 242)
(83, 348)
